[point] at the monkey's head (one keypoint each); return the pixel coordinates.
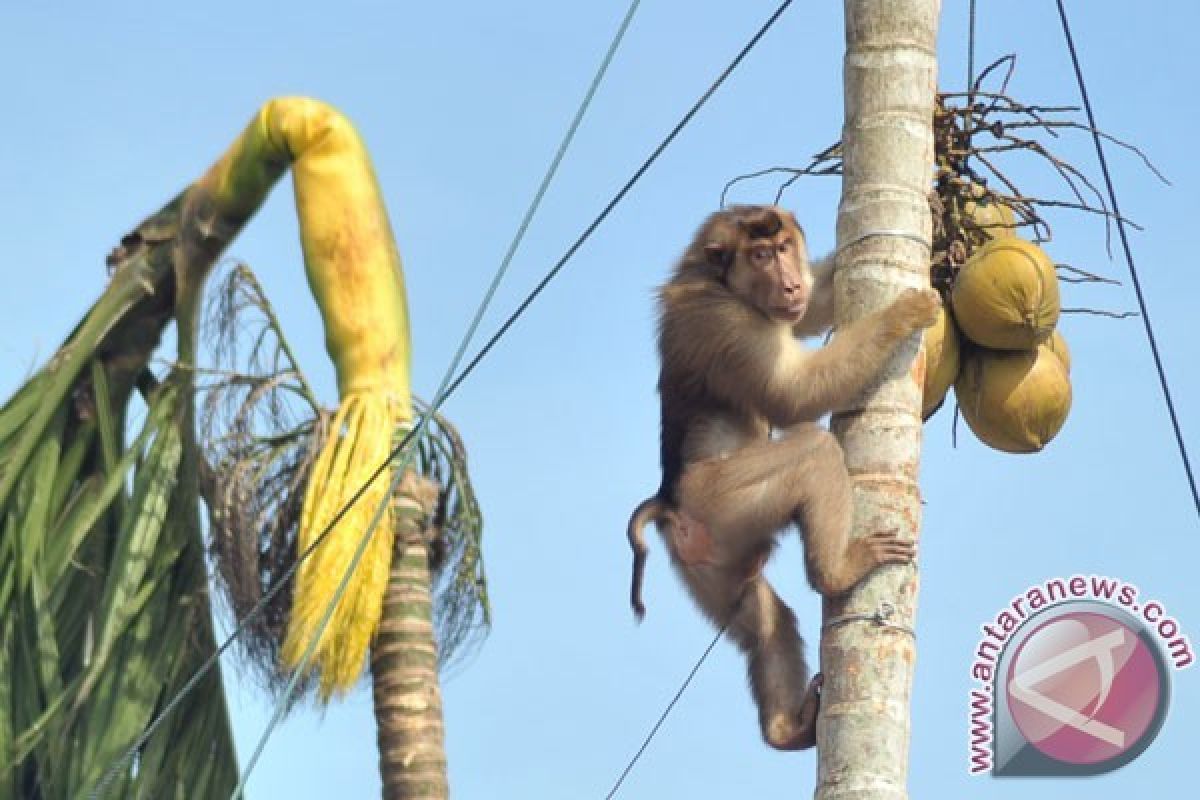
(759, 254)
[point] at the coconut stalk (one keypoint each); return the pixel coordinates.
(883, 233)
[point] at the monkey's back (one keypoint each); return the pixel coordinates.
(697, 315)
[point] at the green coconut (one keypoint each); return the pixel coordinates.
(1014, 401)
(1006, 296)
(1058, 345)
(941, 362)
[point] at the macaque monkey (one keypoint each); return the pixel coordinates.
(742, 455)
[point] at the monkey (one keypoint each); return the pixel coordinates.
(742, 453)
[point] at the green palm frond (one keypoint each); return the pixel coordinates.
(102, 576)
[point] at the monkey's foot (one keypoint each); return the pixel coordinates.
(888, 548)
(884, 547)
(865, 554)
(797, 730)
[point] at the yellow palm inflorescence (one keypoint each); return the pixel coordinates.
(354, 272)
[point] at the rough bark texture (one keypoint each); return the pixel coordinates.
(404, 664)
(883, 220)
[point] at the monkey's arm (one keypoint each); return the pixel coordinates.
(788, 384)
(829, 378)
(819, 316)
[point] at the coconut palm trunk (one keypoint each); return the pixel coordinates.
(883, 234)
(404, 666)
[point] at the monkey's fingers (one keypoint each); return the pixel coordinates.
(919, 307)
(888, 548)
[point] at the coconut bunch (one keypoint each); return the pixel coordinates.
(996, 341)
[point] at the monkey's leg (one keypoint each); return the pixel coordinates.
(746, 497)
(825, 514)
(743, 499)
(764, 628)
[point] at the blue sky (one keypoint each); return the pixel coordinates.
(114, 107)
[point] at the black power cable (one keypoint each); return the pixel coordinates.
(1133, 275)
(663, 716)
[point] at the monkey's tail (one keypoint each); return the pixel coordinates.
(652, 509)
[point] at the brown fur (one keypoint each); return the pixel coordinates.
(732, 372)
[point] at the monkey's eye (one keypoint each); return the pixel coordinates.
(785, 245)
(760, 255)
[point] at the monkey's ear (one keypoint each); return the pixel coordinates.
(718, 255)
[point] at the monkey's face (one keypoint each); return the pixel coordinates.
(766, 263)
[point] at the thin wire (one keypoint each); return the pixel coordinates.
(442, 394)
(537, 198)
(666, 711)
(620, 195)
(1133, 275)
(971, 57)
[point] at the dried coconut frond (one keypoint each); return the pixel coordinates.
(260, 429)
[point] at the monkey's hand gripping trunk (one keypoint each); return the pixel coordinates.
(354, 272)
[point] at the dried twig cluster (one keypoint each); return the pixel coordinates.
(973, 131)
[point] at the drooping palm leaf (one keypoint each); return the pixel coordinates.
(102, 574)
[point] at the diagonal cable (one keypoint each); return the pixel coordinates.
(1133, 274)
(666, 711)
(618, 197)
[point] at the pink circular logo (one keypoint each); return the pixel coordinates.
(1085, 688)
